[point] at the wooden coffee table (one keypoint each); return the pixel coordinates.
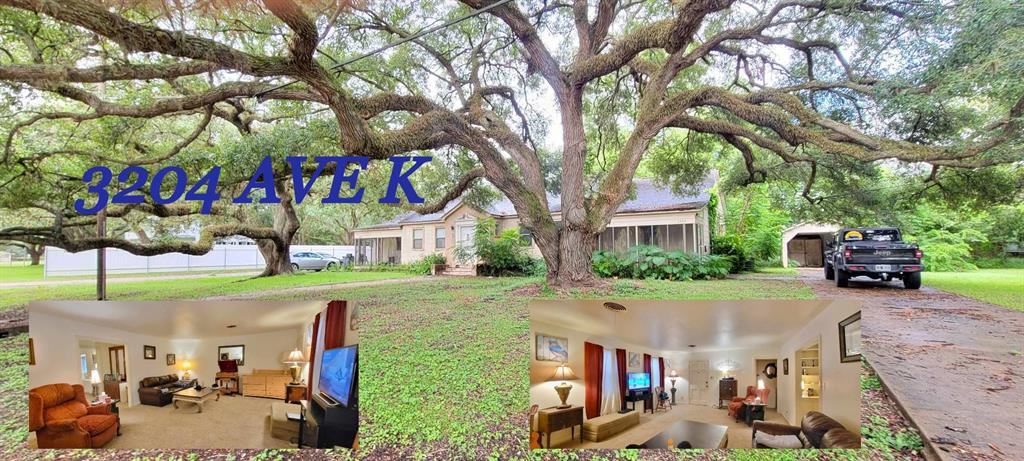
(700, 435)
(191, 395)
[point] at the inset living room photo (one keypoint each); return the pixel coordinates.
(694, 374)
(193, 374)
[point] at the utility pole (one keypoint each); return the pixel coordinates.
(101, 257)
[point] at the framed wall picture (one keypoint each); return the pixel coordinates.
(552, 348)
(170, 359)
(849, 339)
(634, 360)
(235, 352)
(149, 352)
(31, 352)
(785, 367)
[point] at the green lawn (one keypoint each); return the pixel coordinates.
(187, 288)
(1004, 287)
(26, 273)
(20, 273)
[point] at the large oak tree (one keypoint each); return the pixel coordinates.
(795, 81)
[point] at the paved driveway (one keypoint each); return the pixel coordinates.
(953, 363)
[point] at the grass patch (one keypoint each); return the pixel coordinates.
(20, 273)
(776, 270)
(187, 288)
(877, 434)
(1003, 287)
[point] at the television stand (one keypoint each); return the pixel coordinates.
(644, 395)
(325, 426)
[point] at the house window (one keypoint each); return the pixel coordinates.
(525, 236)
(85, 367)
(438, 237)
(417, 239)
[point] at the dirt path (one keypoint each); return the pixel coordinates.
(335, 286)
(953, 363)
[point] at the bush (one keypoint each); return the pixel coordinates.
(946, 251)
(1005, 262)
(731, 245)
(506, 254)
(650, 262)
(424, 265)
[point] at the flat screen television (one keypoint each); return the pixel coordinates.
(636, 381)
(338, 374)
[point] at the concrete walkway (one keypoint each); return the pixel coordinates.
(123, 279)
(952, 363)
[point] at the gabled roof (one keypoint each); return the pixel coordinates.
(649, 197)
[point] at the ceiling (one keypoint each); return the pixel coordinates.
(674, 325)
(185, 319)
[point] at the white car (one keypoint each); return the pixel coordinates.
(309, 260)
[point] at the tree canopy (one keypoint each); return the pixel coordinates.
(529, 94)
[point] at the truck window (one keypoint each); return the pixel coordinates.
(875, 235)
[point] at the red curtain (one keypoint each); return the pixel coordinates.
(334, 326)
(647, 368)
(661, 372)
(312, 353)
(620, 359)
(593, 367)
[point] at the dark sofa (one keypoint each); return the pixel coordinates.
(158, 390)
(817, 429)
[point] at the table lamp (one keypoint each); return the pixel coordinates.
(94, 378)
(187, 366)
(760, 389)
(563, 373)
(295, 358)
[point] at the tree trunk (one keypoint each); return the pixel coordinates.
(286, 224)
(35, 252)
(575, 266)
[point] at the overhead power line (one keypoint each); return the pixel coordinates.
(337, 67)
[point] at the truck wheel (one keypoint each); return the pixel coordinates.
(912, 280)
(842, 278)
(829, 275)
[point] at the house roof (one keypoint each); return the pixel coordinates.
(649, 197)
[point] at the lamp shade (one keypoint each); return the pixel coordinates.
(563, 373)
(673, 374)
(295, 357)
(94, 377)
(186, 365)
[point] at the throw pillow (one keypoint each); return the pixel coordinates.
(804, 441)
(778, 441)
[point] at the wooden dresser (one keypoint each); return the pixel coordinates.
(726, 391)
(266, 383)
(555, 419)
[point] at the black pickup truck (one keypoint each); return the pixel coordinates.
(876, 252)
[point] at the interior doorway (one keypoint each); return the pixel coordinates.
(700, 382)
(767, 375)
(808, 369)
(104, 368)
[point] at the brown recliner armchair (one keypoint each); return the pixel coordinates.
(61, 417)
(737, 402)
(816, 430)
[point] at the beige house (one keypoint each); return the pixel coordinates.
(654, 215)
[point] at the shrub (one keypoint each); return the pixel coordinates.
(423, 266)
(650, 262)
(504, 254)
(731, 245)
(946, 251)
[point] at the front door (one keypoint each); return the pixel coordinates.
(464, 237)
(700, 382)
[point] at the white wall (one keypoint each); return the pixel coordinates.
(542, 391)
(264, 351)
(744, 374)
(57, 351)
(840, 393)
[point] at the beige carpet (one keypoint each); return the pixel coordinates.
(231, 422)
(650, 425)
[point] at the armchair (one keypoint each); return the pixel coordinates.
(662, 399)
(737, 402)
(61, 417)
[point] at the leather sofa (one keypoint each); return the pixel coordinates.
(61, 417)
(159, 390)
(816, 430)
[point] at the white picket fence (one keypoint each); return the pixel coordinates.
(226, 257)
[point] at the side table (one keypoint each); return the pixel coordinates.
(554, 419)
(754, 412)
(295, 393)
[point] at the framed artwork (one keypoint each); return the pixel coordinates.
(149, 352)
(849, 339)
(170, 359)
(31, 352)
(552, 348)
(785, 367)
(236, 353)
(634, 360)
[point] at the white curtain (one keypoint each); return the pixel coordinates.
(610, 400)
(655, 375)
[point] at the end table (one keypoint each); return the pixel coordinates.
(295, 392)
